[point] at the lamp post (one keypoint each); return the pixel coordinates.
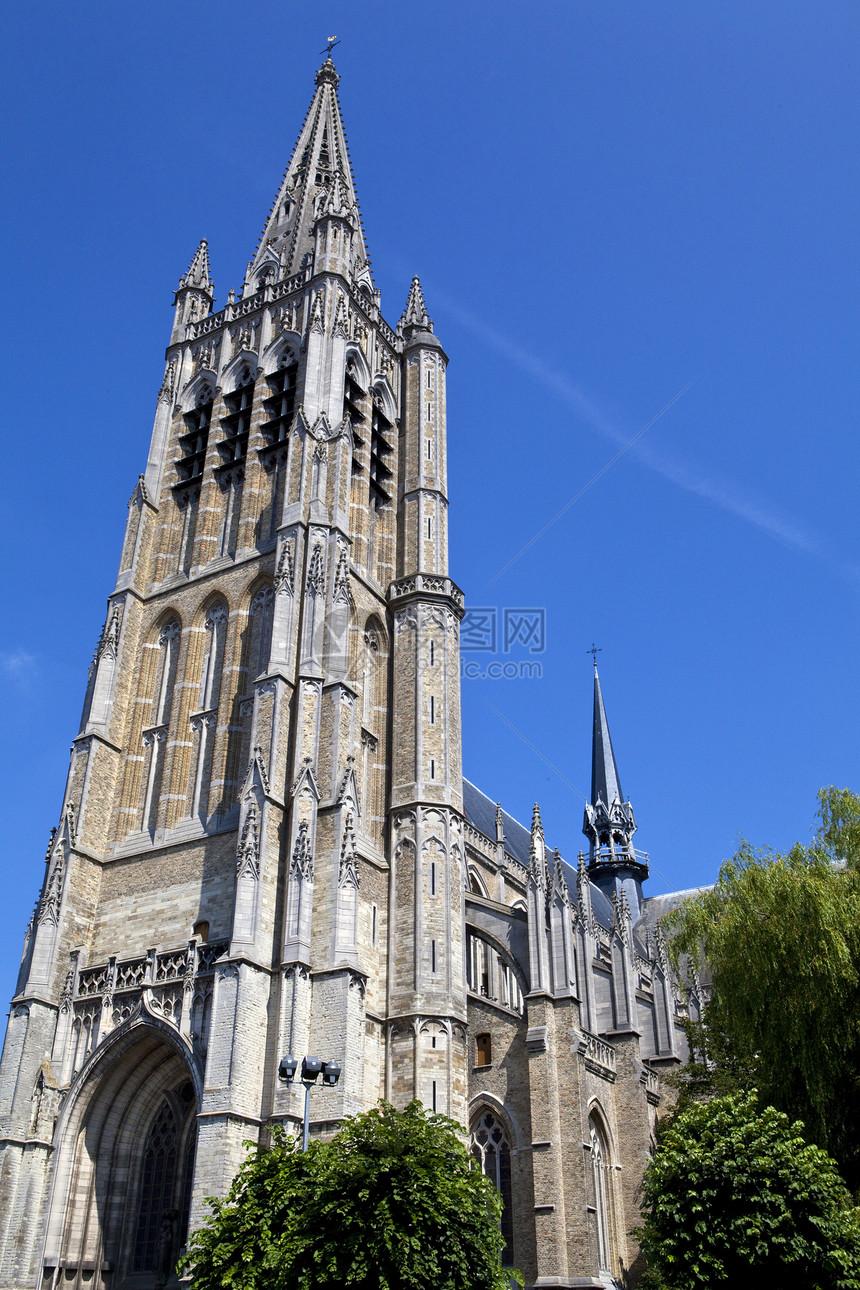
(312, 1068)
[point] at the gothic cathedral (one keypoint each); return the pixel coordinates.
(266, 844)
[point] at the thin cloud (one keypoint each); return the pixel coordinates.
(620, 453)
(18, 666)
(721, 492)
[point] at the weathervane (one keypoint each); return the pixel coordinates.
(332, 41)
(594, 651)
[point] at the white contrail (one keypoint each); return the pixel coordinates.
(603, 469)
(723, 493)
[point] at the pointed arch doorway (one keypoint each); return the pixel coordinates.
(121, 1191)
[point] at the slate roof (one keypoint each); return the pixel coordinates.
(480, 811)
(655, 907)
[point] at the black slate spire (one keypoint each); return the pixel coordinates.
(605, 783)
(614, 864)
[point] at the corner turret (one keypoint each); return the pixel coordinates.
(195, 294)
(416, 325)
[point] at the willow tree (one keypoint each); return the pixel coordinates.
(780, 934)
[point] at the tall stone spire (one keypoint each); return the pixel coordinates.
(614, 864)
(605, 782)
(317, 182)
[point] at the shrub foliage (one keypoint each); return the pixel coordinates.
(735, 1196)
(393, 1201)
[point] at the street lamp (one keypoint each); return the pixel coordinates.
(312, 1068)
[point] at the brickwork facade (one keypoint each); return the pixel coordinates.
(266, 843)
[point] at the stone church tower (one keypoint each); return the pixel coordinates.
(266, 844)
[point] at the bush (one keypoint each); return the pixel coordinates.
(736, 1196)
(393, 1201)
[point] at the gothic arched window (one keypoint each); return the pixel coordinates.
(215, 627)
(381, 447)
(165, 1187)
(371, 676)
(255, 650)
(157, 1185)
(490, 1147)
(600, 1185)
(168, 642)
(353, 397)
(260, 629)
(194, 442)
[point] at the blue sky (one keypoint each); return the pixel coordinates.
(608, 204)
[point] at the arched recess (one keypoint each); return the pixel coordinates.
(121, 1187)
(477, 886)
(490, 1143)
(356, 383)
(151, 716)
(242, 370)
(601, 1188)
(493, 972)
(199, 390)
(205, 671)
(281, 353)
(371, 673)
(251, 653)
(385, 397)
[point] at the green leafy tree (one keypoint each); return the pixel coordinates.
(734, 1196)
(393, 1201)
(781, 937)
